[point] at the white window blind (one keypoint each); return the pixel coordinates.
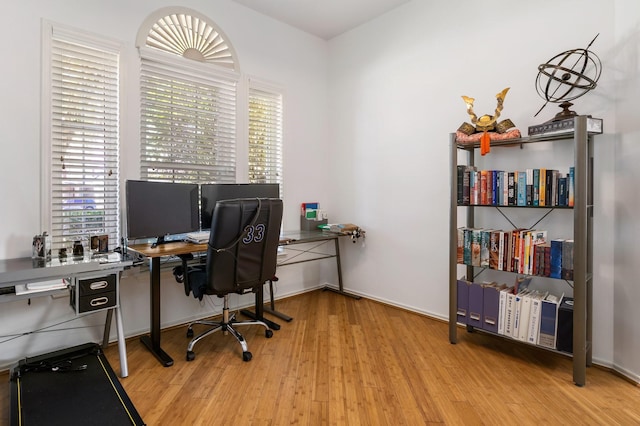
(84, 174)
(188, 121)
(265, 135)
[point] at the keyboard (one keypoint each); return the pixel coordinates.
(198, 237)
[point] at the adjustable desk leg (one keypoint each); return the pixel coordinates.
(340, 289)
(272, 307)
(258, 315)
(152, 341)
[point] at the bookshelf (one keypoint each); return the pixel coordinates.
(581, 137)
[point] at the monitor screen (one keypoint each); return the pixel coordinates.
(157, 209)
(212, 193)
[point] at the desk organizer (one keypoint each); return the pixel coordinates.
(311, 224)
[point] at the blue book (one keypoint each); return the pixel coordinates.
(495, 199)
(536, 187)
(562, 191)
(556, 258)
(522, 189)
(549, 321)
(571, 187)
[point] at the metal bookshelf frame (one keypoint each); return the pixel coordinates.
(582, 234)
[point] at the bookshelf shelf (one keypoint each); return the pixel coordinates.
(581, 137)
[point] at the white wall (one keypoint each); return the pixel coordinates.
(368, 116)
(396, 86)
(266, 49)
(626, 204)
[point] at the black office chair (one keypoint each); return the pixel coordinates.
(241, 257)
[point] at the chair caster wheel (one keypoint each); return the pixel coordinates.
(190, 332)
(191, 355)
(246, 356)
(268, 334)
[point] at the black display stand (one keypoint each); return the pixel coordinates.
(74, 386)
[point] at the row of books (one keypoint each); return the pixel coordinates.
(520, 250)
(532, 187)
(513, 311)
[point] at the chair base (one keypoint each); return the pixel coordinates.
(226, 325)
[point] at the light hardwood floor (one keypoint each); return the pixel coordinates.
(358, 362)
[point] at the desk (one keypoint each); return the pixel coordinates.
(176, 248)
(291, 238)
(77, 273)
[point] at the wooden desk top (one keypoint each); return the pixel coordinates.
(173, 248)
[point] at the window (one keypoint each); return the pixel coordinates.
(81, 135)
(188, 100)
(265, 134)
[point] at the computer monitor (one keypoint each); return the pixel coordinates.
(159, 209)
(211, 193)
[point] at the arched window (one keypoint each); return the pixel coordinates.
(188, 95)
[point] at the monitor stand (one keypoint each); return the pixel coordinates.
(159, 241)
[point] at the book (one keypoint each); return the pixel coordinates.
(542, 192)
(466, 185)
(567, 260)
(489, 187)
(562, 191)
(537, 238)
(460, 246)
(525, 314)
(476, 244)
(522, 189)
(483, 187)
(511, 189)
(517, 313)
(529, 187)
(502, 308)
(555, 258)
(466, 254)
(536, 188)
(485, 247)
(494, 249)
(549, 321)
(534, 316)
(509, 313)
(459, 184)
(495, 199)
(571, 187)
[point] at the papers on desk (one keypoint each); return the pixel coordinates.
(58, 284)
(200, 237)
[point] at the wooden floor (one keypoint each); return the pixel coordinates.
(358, 362)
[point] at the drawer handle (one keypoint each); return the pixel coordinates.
(98, 301)
(98, 285)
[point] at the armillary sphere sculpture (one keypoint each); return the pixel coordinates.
(566, 77)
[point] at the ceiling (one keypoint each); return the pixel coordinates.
(323, 18)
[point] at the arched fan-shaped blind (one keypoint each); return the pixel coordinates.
(189, 35)
(188, 102)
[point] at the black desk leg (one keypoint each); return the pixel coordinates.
(259, 314)
(340, 289)
(152, 342)
(272, 307)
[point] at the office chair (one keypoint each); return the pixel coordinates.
(241, 257)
